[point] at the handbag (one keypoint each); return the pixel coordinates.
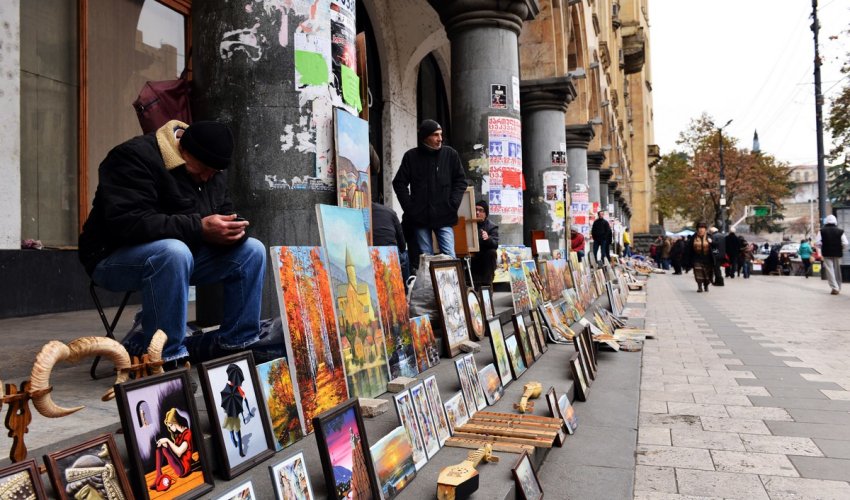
(163, 101)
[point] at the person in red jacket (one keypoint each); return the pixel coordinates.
(577, 242)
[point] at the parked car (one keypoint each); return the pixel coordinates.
(791, 250)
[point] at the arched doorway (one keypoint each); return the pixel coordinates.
(431, 99)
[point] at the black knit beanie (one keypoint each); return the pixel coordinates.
(210, 142)
(483, 204)
(427, 128)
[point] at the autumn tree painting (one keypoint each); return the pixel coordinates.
(280, 399)
(395, 319)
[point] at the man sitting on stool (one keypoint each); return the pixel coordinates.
(484, 262)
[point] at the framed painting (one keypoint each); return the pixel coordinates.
(527, 484)
(427, 425)
(584, 357)
(466, 386)
(508, 256)
(588, 342)
(393, 457)
(244, 491)
(491, 383)
(580, 386)
(240, 426)
(518, 366)
(519, 289)
(311, 337)
(290, 479)
(407, 416)
(526, 347)
(22, 481)
(537, 327)
(393, 311)
(90, 469)
(568, 413)
(475, 314)
(456, 411)
(447, 276)
(534, 283)
(472, 373)
(487, 299)
(500, 351)
(278, 397)
(353, 183)
(162, 432)
(361, 336)
(552, 402)
(344, 450)
(424, 343)
(435, 402)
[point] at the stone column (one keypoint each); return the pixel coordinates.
(612, 188)
(604, 176)
(544, 104)
(252, 89)
(483, 36)
(578, 137)
(10, 129)
(595, 159)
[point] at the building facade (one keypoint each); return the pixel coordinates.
(564, 85)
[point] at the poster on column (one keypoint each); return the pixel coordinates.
(505, 151)
(553, 188)
(579, 209)
(345, 82)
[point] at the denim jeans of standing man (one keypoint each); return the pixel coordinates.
(445, 239)
(164, 269)
(605, 249)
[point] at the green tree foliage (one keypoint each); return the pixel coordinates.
(838, 125)
(688, 179)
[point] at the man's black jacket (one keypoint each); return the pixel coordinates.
(601, 231)
(430, 185)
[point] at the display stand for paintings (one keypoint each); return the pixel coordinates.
(18, 416)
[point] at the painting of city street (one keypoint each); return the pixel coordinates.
(352, 276)
(316, 368)
(393, 309)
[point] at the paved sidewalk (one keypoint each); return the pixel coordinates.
(745, 393)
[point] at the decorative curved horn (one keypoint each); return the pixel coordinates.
(108, 348)
(155, 351)
(52, 352)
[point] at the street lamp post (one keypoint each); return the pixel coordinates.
(722, 223)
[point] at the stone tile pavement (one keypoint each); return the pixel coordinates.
(745, 392)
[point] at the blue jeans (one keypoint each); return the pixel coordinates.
(627, 250)
(163, 271)
(604, 246)
(445, 238)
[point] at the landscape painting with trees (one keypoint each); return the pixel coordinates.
(280, 398)
(312, 340)
(393, 310)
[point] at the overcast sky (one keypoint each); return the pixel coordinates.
(748, 60)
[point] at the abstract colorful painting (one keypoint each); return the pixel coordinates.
(395, 320)
(352, 166)
(393, 456)
(290, 479)
(519, 290)
(353, 280)
(492, 385)
(435, 402)
(446, 277)
(456, 411)
(313, 353)
(344, 450)
(424, 342)
(407, 417)
(426, 420)
(279, 397)
(500, 351)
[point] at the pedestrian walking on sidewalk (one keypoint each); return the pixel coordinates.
(718, 251)
(805, 253)
(699, 256)
(676, 255)
(832, 241)
(747, 259)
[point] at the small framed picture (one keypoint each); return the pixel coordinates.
(500, 350)
(568, 413)
(449, 287)
(238, 419)
(89, 469)
(344, 449)
(591, 351)
(407, 416)
(466, 386)
(578, 342)
(22, 480)
(290, 479)
(472, 373)
(487, 299)
(456, 411)
(163, 436)
(435, 402)
(518, 366)
(527, 485)
(524, 340)
(426, 420)
(492, 385)
(580, 386)
(537, 327)
(475, 314)
(393, 456)
(552, 401)
(244, 491)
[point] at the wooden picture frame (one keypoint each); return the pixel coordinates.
(435, 402)
(500, 351)
(448, 281)
(521, 333)
(475, 314)
(427, 424)
(103, 455)
(518, 366)
(407, 417)
(230, 383)
(340, 427)
(145, 405)
(588, 357)
(243, 491)
(568, 413)
(15, 476)
(534, 340)
(527, 483)
(580, 386)
(472, 373)
(293, 470)
(466, 386)
(578, 343)
(487, 299)
(491, 383)
(552, 402)
(470, 224)
(591, 351)
(537, 327)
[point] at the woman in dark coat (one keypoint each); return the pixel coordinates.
(698, 255)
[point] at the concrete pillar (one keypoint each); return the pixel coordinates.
(595, 159)
(578, 137)
(612, 198)
(252, 89)
(483, 35)
(604, 176)
(10, 128)
(544, 104)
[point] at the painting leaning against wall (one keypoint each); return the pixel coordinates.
(395, 320)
